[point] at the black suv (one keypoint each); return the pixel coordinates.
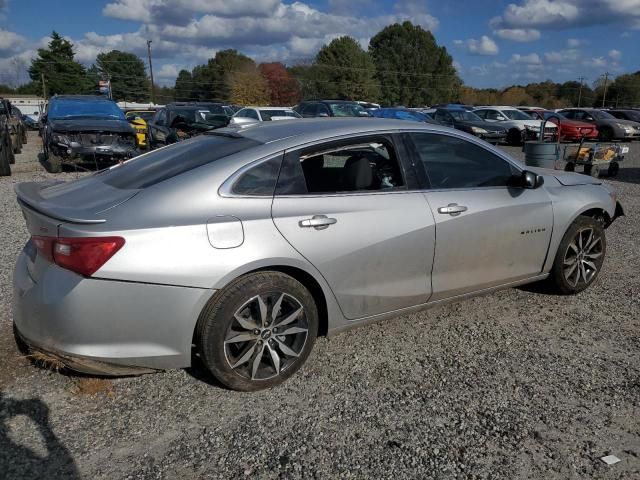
(85, 129)
(462, 119)
(6, 145)
(330, 108)
(179, 120)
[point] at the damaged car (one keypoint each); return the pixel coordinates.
(83, 130)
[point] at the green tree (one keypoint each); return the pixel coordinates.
(625, 91)
(248, 87)
(183, 86)
(63, 75)
(346, 71)
(570, 93)
(412, 69)
(127, 74)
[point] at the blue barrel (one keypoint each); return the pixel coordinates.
(538, 154)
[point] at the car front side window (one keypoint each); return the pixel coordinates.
(367, 164)
(452, 162)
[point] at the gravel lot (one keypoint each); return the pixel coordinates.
(513, 385)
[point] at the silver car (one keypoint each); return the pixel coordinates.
(244, 245)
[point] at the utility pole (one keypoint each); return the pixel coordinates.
(44, 86)
(153, 99)
(606, 80)
(582, 79)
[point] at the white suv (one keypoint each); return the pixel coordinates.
(518, 124)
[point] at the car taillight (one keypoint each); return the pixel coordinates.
(81, 255)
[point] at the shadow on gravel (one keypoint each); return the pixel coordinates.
(628, 175)
(541, 288)
(198, 371)
(18, 461)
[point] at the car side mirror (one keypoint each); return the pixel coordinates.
(324, 115)
(589, 119)
(531, 180)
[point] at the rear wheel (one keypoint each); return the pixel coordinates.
(258, 331)
(593, 170)
(614, 168)
(579, 257)
(5, 167)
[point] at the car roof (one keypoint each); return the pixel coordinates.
(88, 98)
(329, 100)
(314, 129)
(497, 107)
(269, 108)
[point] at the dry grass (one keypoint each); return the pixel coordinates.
(46, 361)
(92, 386)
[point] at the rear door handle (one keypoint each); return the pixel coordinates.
(319, 222)
(452, 209)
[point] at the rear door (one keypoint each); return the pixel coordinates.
(487, 232)
(348, 207)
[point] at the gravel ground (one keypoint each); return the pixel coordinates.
(513, 385)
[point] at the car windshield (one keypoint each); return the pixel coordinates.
(194, 115)
(146, 116)
(84, 109)
(516, 115)
(465, 116)
(268, 114)
(599, 115)
(159, 165)
(548, 115)
(347, 110)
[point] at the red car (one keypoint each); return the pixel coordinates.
(570, 130)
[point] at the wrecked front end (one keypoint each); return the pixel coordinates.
(93, 146)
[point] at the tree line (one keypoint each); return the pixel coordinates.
(403, 65)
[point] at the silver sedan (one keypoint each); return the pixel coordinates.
(244, 245)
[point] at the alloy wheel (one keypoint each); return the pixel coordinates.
(581, 257)
(266, 336)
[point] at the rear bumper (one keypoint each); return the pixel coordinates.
(103, 326)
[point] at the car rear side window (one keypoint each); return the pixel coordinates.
(366, 164)
(168, 162)
(452, 162)
(259, 180)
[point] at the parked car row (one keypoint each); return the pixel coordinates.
(13, 134)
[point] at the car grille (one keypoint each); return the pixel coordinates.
(103, 139)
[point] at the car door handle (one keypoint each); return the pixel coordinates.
(452, 209)
(319, 222)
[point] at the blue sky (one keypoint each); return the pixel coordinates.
(494, 43)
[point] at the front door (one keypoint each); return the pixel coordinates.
(488, 233)
(346, 208)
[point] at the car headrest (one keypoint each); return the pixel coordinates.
(358, 173)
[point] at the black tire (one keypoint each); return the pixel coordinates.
(606, 134)
(5, 162)
(52, 163)
(614, 168)
(514, 137)
(219, 323)
(17, 148)
(570, 167)
(24, 135)
(560, 278)
(593, 170)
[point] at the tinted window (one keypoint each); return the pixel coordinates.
(309, 110)
(268, 114)
(516, 115)
(160, 165)
(161, 117)
(347, 109)
(70, 108)
(251, 113)
(455, 163)
(368, 164)
(602, 115)
(259, 180)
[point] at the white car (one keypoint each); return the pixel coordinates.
(516, 122)
(251, 115)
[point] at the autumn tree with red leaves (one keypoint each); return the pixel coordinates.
(283, 88)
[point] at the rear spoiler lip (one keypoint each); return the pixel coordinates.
(28, 201)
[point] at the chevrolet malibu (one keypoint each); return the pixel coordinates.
(243, 246)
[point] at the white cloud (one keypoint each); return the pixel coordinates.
(518, 34)
(615, 54)
(530, 59)
(482, 46)
(575, 42)
(562, 56)
(10, 41)
(548, 14)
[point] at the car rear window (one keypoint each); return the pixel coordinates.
(168, 162)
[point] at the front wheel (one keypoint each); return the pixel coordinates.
(579, 257)
(258, 331)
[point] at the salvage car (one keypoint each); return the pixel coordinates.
(249, 243)
(251, 115)
(85, 129)
(13, 127)
(6, 149)
(462, 119)
(402, 114)
(330, 108)
(20, 125)
(570, 130)
(609, 127)
(181, 120)
(138, 120)
(519, 125)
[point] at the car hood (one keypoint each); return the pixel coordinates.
(91, 125)
(568, 179)
(490, 127)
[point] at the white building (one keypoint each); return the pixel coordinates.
(30, 105)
